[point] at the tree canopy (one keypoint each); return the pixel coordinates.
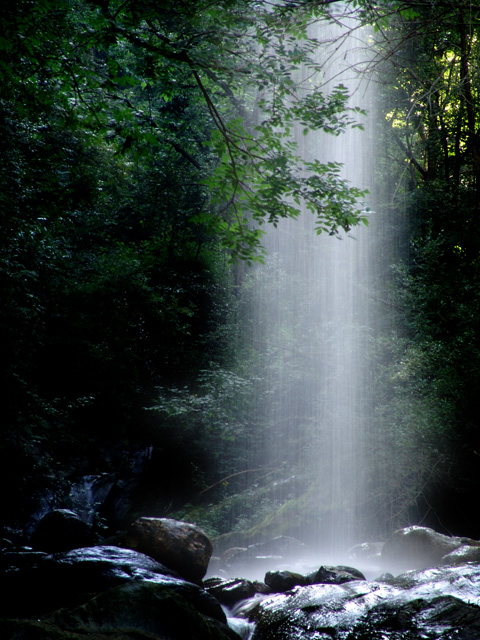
(132, 75)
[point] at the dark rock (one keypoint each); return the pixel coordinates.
(257, 558)
(281, 581)
(181, 546)
(231, 553)
(418, 548)
(386, 577)
(284, 546)
(105, 592)
(61, 530)
(5, 544)
(149, 608)
(231, 557)
(335, 575)
(12, 537)
(261, 587)
(120, 502)
(465, 553)
(440, 618)
(131, 612)
(13, 560)
(88, 495)
(67, 579)
(366, 551)
(231, 591)
(276, 549)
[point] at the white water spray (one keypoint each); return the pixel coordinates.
(313, 327)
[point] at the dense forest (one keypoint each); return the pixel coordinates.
(145, 147)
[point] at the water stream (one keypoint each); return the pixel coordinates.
(314, 321)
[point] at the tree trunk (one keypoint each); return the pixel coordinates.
(473, 139)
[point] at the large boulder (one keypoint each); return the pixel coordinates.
(147, 607)
(61, 530)
(418, 548)
(100, 592)
(435, 604)
(64, 579)
(133, 611)
(181, 546)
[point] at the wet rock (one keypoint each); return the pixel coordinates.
(61, 530)
(230, 591)
(130, 611)
(281, 581)
(365, 551)
(155, 608)
(335, 575)
(418, 548)
(276, 550)
(435, 604)
(14, 560)
(181, 546)
(462, 581)
(5, 544)
(312, 612)
(465, 553)
(88, 495)
(120, 502)
(441, 618)
(254, 560)
(261, 587)
(284, 546)
(100, 592)
(386, 577)
(228, 562)
(64, 579)
(12, 538)
(231, 557)
(232, 553)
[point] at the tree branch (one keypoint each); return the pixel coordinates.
(409, 154)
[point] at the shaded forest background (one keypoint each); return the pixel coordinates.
(129, 134)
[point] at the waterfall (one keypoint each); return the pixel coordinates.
(312, 327)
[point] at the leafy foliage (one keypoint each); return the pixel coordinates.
(426, 359)
(138, 158)
(218, 57)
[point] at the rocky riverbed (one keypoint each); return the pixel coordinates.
(158, 590)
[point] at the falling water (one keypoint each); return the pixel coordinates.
(313, 328)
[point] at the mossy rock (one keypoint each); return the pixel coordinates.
(128, 612)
